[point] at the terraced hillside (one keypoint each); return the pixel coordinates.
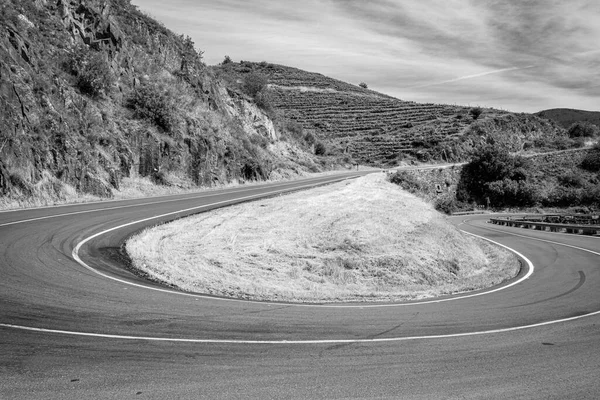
(378, 129)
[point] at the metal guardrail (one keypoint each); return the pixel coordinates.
(593, 230)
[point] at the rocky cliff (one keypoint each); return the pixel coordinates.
(95, 91)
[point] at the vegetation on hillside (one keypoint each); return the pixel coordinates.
(95, 93)
(496, 179)
(380, 130)
(566, 117)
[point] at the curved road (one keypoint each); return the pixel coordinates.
(75, 324)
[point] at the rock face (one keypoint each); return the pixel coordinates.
(93, 90)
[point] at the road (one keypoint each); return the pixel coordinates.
(76, 323)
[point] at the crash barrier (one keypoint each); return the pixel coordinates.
(593, 230)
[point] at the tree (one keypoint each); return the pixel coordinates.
(583, 129)
(494, 173)
(363, 85)
(91, 69)
(226, 60)
(591, 161)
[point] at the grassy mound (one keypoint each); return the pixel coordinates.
(361, 240)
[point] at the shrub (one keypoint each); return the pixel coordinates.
(151, 103)
(363, 85)
(571, 179)
(562, 143)
(160, 178)
(475, 112)
(294, 128)
(226, 60)
(407, 181)
(591, 161)
(446, 204)
(263, 100)
(320, 149)
(310, 139)
(563, 197)
(254, 83)
(508, 192)
(91, 69)
(583, 129)
(495, 174)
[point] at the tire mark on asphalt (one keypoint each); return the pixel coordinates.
(579, 284)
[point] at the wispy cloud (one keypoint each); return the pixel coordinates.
(462, 78)
(447, 51)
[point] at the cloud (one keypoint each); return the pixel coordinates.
(479, 75)
(413, 49)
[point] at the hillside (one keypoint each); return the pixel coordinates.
(565, 117)
(96, 94)
(378, 129)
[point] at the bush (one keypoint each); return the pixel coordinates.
(583, 129)
(363, 85)
(571, 179)
(407, 181)
(151, 103)
(475, 112)
(263, 100)
(254, 83)
(294, 128)
(591, 161)
(495, 174)
(446, 204)
(320, 149)
(91, 69)
(226, 60)
(508, 192)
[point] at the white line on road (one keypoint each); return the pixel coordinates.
(200, 196)
(308, 341)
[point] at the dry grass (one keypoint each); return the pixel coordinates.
(360, 240)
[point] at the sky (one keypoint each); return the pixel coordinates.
(516, 55)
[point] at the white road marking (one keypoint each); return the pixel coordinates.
(202, 195)
(76, 257)
(543, 240)
(308, 341)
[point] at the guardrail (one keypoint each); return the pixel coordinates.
(593, 230)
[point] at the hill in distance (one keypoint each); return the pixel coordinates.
(565, 117)
(381, 130)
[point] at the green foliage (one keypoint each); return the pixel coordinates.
(512, 193)
(475, 112)
(447, 204)
(310, 138)
(583, 129)
(154, 104)
(91, 69)
(407, 181)
(295, 129)
(591, 162)
(254, 83)
(263, 100)
(495, 174)
(320, 148)
(571, 179)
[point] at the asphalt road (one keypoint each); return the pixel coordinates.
(93, 329)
